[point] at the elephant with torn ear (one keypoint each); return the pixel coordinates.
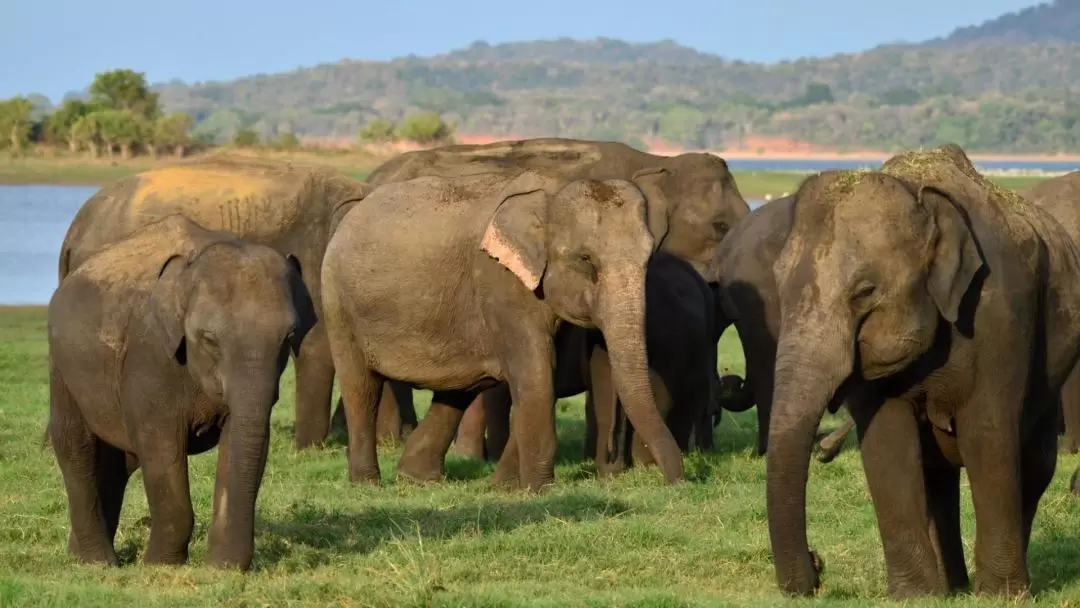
(456, 284)
(162, 345)
(692, 198)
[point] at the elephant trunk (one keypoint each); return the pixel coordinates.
(621, 319)
(806, 381)
(233, 543)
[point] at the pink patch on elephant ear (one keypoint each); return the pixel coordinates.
(505, 253)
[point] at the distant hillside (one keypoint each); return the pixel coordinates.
(1057, 21)
(993, 96)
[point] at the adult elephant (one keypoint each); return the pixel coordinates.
(455, 284)
(692, 201)
(943, 309)
(1061, 197)
(746, 258)
(289, 207)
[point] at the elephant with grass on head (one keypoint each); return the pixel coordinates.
(692, 202)
(163, 345)
(945, 311)
(291, 208)
(456, 284)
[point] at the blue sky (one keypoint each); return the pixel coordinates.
(57, 46)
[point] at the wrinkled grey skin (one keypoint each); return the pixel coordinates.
(456, 284)
(692, 198)
(1060, 196)
(163, 345)
(946, 312)
(747, 255)
(289, 207)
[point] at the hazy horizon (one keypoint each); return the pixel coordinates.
(59, 50)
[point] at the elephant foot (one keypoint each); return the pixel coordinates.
(420, 468)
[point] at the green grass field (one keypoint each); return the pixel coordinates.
(324, 542)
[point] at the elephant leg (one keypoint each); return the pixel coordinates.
(76, 450)
(361, 389)
(893, 464)
(589, 449)
(113, 474)
(163, 455)
(424, 458)
(314, 388)
(469, 441)
(988, 446)
(388, 429)
(508, 467)
(1038, 461)
(943, 503)
(497, 403)
(611, 452)
(1070, 410)
(832, 444)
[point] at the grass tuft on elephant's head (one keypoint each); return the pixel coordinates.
(937, 166)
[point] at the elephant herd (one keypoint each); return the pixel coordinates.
(941, 310)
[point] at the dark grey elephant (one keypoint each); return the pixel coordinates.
(165, 344)
(945, 311)
(457, 284)
(692, 200)
(283, 205)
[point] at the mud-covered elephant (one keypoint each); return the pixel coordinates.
(456, 284)
(1061, 197)
(692, 200)
(162, 345)
(746, 257)
(289, 207)
(945, 311)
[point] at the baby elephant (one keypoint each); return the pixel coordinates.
(162, 345)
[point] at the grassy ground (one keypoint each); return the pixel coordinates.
(324, 542)
(86, 171)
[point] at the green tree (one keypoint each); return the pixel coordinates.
(15, 122)
(424, 128)
(683, 125)
(376, 131)
(125, 90)
(245, 138)
(123, 129)
(87, 132)
(901, 96)
(61, 123)
(172, 131)
(288, 141)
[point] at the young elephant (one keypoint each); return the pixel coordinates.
(680, 337)
(162, 345)
(455, 284)
(945, 310)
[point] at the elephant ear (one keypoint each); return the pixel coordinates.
(302, 304)
(516, 236)
(165, 309)
(956, 257)
(650, 181)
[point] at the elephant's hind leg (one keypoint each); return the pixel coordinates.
(314, 388)
(1038, 461)
(1070, 410)
(424, 458)
(76, 452)
(943, 504)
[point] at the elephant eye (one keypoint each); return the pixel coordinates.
(863, 292)
(210, 341)
(721, 227)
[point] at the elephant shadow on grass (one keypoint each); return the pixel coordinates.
(1054, 560)
(312, 535)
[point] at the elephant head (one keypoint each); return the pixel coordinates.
(693, 203)
(230, 312)
(872, 268)
(583, 249)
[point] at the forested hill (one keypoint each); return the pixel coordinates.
(1057, 21)
(1010, 85)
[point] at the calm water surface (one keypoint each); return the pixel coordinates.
(33, 221)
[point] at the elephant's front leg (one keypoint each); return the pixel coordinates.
(314, 388)
(163, 456)
(1070, 410)
(424, 458)
(892, 460)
